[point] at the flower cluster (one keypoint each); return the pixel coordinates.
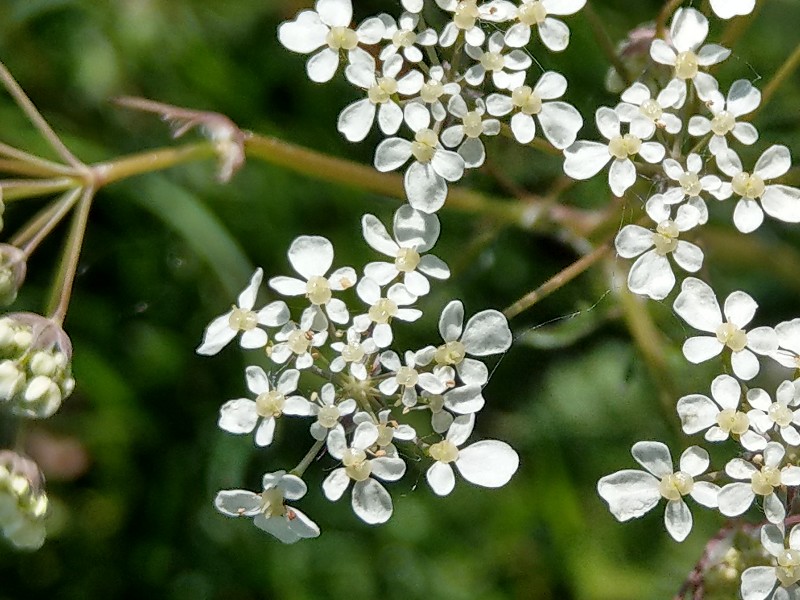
(23, 502)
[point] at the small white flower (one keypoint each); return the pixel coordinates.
(329, 412)
(241, 415)
(268, 508)
(433, 90)
(779, 201)
(584, 159)
(726, 9)
(743, 99)
(506, 69)
(407, 377)
(632, 493)
(758, 583)
(553, 32)
(688, 31)
(382, 309)
(415, 232)
(473, 125)
(404, 38)
(355, 352)
(299, 341)
(788, 353)
(651, 274)
(720, 417)
(312, 257)
(426, 178)
(735, 498)
(242, 318)
(328, 26)
(781, 415)
(466, 17)
(560, 122)
(488, 463)
(697, 305)
(646, 114)
(370, 500)
(388, 431)
(357, 118)
(691, 184)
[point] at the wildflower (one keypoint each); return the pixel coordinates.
(554, 33)
(504, 68)
(758, 583)
(646, 114)
(743, 99)
(782, 415)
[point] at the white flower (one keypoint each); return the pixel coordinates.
(242, 318)
(735, 498)
(688, 31)
(553, 32)
(407, 377)
(357, 118)
(758, 583)
(781, 415)
(651, 275)
(388, 431)
(584, 159)
(743, 99)
(434, 88)
(788, 353)
(498, 64)
(241, 415)
(268, 508)
(328, 26)
(473, 125)
(312, 257)
(697, 305)
(488, 463)
(466, 15)
(560, 121)
(382, 309)
(426, 178)
(355, 352)
(299, 341)
(329, 412)
(632, 493)
(726, 9)
(645, 113)
(690, 184)
(720, 417)
(779, 201)
(370, 500)
(415, 232)
(404, 38)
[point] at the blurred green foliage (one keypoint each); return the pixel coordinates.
(166, 252)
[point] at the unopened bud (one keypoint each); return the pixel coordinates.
(12, 273)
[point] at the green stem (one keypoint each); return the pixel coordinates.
(666, 12)
(18, 189)
(29, 237)
(147, 162)
(310, 455)
(50, 168)
(62, 291)
(606, 44)
(786, 69)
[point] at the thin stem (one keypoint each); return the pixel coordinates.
(310, 455)
(606, 44)
(557, 281)
(666, 12)
(18, 167)
(36, 118)
(62, 291)
(38, 228)
(147, 162)
(52, 168)
(786, 69)
(17, 189)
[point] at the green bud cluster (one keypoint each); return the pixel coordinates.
(23, 502)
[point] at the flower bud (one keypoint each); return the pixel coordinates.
(12, 273)
(23, 501)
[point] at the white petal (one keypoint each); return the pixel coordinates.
(560, 123)
(696, 413)
(488, 463)
(336, 13)
(554, 34)
(701, 348)
(694, 461)
(426, 190)
(735, 498)
(464, 400)
(487, 333)
(322, 66)
(688, 256)
(585, 159)
(697, 305)
(388, 469)
(757, 582)
(305, 34)
(238, 416)
(782, 202)
(335, 484)
(523, 127)
(392, 153)
(371, 502)
(745, 364)
(739, 308)
(441, 478)
(629, 493)
(678, 520)
(653, 456)
(774, 162)
(705, 493)
(651, 275)
(621, 176)
(235, 503)
(265, 432)
(689, 29)
(633, 240)
(774, 509)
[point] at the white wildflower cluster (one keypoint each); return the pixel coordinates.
(644, 137)
(436, 95)
(23, 502)
(331, 364)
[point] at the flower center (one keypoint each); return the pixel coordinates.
(676, 485)
(382, 91)
(733, 421)
(270, 404)
(686, 65)
(444, 451)
(318, 290)
(242, 320)
(436, 403)
(404, 38)
(665, 237)
(424, 145)
(781, 414)
(431, 91)
(526, 100)
(651, 109)
(492, 61)
(356, 464)
(466, 14)
(723, 123)
(406, 376)
(733, 337)
(532, 13)
(451, 353)
(748, 186)
(690, 183)
(328, 416)
(473, 124)
(272, 503)
(383, 310)
(385, 435)
(407, 260)
(765, 480)
(341, 38)
(623, 146)
(788, 569)
(352, 352)
(298, 342)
